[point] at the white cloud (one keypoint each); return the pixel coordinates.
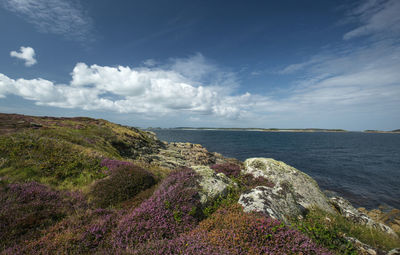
(54, 16)
(150, 62)
(153, 91)
(351, 79)
(377, 18)
(27, 54)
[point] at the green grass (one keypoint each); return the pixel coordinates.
(34, 156)
(66, 153)
(328, 231)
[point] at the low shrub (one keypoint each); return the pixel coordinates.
(28, 208)
(237, 232)
(192, 243)
(82, 233)
(229, 169)
(125, 180)
(171, 210)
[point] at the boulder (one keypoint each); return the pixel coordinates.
(394, 252)
(277, 202)
(185, 155)
(213, 185)
(302, 188)
(364, 249)
(345, 208)
(387, 216)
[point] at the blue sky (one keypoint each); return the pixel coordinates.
(286, 64)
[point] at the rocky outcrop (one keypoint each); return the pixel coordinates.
(389, 217)
(345, 208)
(213, 185)
(364, 249)
(186, 155)
(277, 202)
(394, 252)
(293, 191)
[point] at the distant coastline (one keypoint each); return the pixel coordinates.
(257, 129)
(397, 131)
(290, 130)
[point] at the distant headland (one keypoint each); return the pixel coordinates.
(258, 129)
(294, 130)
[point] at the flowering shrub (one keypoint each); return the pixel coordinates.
(112, 165)
(229, 169)
(30, 207)
(171, 210)
(86, 232)
(240, 233)
(194, 243)
(125, 181)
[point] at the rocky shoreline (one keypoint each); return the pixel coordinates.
(94, 158)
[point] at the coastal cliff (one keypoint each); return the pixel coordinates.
(82, 185)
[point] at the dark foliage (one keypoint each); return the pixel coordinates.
(125, 180)
(229, 169)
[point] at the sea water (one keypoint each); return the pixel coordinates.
(362, 167)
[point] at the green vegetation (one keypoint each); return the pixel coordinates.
(66, 153)
(82, 186)
(122, 184)
(329, 231)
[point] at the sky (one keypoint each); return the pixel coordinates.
(203, 63)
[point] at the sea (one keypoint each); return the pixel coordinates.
(362, 167)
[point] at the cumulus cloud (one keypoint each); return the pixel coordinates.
(25, 53)
(157, 90)
(54, 16)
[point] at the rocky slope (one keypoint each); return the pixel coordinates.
(81, 185)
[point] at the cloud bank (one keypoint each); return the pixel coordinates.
(27, 54)
(153, 91)
(59, 17)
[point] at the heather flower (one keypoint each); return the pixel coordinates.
(171, 210)
(229, 169)
(28, 208)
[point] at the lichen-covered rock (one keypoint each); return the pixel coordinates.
(394, 252)
(304, 189)
(364, 249)
(212, 184)
(277, 202)
(186, 155)
(389, 217)
(348, 211)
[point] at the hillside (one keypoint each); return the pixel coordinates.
(82, 185)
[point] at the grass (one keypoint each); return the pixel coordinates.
(329, 230)
(66, 153)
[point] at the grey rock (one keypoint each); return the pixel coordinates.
(364, 249)
(277, 202)
(212, 184)
(345, 208)
(304, 189)
(394, 252)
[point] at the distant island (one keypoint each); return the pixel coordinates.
(386, 132)
(294, 130)
(258, 129)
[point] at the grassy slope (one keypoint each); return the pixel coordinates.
(65, 152)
